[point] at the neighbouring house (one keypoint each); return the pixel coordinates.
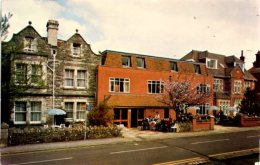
(40, 73)
(131, 84)
(231, 79)
(255, 70)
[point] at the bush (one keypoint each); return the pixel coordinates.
(29, 135)
(100, 115)
(183, 126)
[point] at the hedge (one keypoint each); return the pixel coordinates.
(30, 135)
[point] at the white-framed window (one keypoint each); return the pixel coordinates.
(223, 104)
(155, 86)
(20, 112)
(203, 109)
(120, 85)
(76, 49)
(203, 89)
(211, 63)
(237, 86)
(69, 109)
(173, 66)
(197, 68)
(30, 44)
(69, 78)
(81, 78)
(36, 110)
(140, 62)
(247, 84)
(21, 73)
(81, 109)
(36, 73)
(237, 102)
(218, 85)
(126, 61)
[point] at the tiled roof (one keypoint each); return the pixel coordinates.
(128, 100)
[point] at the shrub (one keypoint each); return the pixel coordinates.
(100, 115)
(184, 126)
(30, 135)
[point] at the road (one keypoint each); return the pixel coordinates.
(166, 151)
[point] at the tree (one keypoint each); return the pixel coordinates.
(180, 93)
(250, 104)
(100, 115)
(5, 25)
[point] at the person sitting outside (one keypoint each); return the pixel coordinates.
(157, 116)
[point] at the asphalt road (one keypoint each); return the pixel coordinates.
(167, 151)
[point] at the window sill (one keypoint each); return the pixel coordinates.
(20, 122)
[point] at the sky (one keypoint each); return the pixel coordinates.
(163, 28)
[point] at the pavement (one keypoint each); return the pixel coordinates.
(128, 135)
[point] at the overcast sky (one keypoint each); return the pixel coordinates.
(165, 28)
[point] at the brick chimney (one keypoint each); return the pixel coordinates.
(257, 61)
(242, 56)
(52, 32)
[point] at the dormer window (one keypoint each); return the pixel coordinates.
(211, 63)
(126, 62)
(173, 66)
(30, 44)
(76, 48)
(197, 69)
(140, 63)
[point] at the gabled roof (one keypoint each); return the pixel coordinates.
(225, 63)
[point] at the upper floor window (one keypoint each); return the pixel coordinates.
(247, 85)
(126, 61)
(36, 73)
(155, 87)
(173, 66)
(76, 49)
(119, 85)
(21, 73)
(197, 69)
(218, 85)
(30, 44)
(203, 89)
(237, 86)
(81, 78)
(140, 63)
(211, 63)
(69, 78)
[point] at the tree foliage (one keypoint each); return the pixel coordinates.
(250, 104)
(5, 25)
(99, 115)
(180, 93)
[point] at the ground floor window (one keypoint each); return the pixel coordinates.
(69, 109)
(81, 108)
(166, 113)
(75, 109)
(223, 104)
(36, 111)
(20, 112)
(203, 109)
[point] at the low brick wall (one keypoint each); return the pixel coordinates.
(200, 125)
(246, 121)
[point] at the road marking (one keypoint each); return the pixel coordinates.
(236, 152)
(252, 136)
(184, 161)
(43, 161)
(143, 149)
(211, 141)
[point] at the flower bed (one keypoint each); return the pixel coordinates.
(29, 135)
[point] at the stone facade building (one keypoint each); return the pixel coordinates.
(40, 73)
(230, 77)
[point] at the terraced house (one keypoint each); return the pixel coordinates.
(230, 76)
(40, 73)
(131, 83)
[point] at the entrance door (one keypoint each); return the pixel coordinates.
(134, 117)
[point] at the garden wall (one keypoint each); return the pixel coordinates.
(246, 121)
(202, 125)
